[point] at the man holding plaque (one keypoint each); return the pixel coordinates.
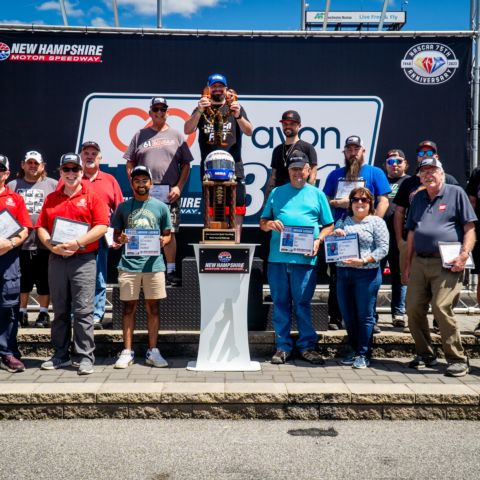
(299, 218)
(72, 220)
(108, 189)
(221, 124)
(14, 225)
(164, 151)
(142, 225)
(439, 213)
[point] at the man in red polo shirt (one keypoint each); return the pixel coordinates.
(10, 240)
(108, 189)
(73, 263)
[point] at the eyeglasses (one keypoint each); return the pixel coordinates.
(394, 161)
(71, 169)
(359, 200)
(428, 153)
(159, 109)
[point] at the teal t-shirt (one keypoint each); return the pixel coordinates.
(149, 215)
(296, 207)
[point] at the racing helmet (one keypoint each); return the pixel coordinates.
(219, 165)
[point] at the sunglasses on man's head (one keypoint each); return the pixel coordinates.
(394, 161)
(71, 169)
(159, 109)
(428, 153)
(359, 200)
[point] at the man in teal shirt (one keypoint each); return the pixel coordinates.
(292, 276)
(142, 212)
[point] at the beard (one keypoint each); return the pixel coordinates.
(353, 166)
(218, 97)
(289, 133)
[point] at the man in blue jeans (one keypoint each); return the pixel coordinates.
(292, 275)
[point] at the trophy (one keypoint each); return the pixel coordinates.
(219, 196)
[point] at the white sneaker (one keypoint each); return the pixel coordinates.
(125, 359)
(155, 359)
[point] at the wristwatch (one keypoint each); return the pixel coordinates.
(365, 261)
(13, 241)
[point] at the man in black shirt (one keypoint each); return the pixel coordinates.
(234, 123)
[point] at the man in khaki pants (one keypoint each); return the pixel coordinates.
(439, 213)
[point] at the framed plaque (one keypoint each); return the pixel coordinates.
(66, 230)
(9, 227)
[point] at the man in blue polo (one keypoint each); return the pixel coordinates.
(292, 276)
(439, 213)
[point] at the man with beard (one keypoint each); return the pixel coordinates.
(164, 151)
(108, 189)
(33, 185)
(291, 124)
(148, 272)
(235, 123)
(339, 184)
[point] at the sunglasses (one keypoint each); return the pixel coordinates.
(71, 169)
(428, 153)
(359, 200)
(394, 161)
(159, 109)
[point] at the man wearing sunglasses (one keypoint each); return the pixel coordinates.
(72, 265)
(165, 153)
(11, 205)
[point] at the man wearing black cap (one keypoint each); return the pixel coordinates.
(72, 220)
(141, 271)
(235, 123)
(108, 189)
(33, 184)
(291, 124)
(14, 213)
(164, 151)
(438, 213)
(291, 275)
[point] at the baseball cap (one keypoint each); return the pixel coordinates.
(34, 155)
(427, 143)
(297, 160)
(90, 143)
(70, 158)
(292, 116)
(158, 101)
(141, 170)
(395, 151)
(353, 140)
(217, 78)
(430, 162)
(4, 163)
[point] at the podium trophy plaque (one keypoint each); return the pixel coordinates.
(219, 195)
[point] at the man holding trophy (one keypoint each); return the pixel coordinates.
(221, 122)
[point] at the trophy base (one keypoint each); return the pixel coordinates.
(226, 235)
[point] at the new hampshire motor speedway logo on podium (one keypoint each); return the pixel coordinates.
(112, 119)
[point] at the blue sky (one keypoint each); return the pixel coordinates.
(227, 14)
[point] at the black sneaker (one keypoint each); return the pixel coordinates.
(23, 319)
(172, 280)
(43, 320)
(420, 362)
(376, 329)
(280, 357)
(97, 324)
(313, 357)
(457, 369)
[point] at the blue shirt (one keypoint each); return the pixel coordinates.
(375, 180)
(296, 207)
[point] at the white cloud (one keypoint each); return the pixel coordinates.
(182, 7)
(70, 7)
(95, 10)
(99, 22)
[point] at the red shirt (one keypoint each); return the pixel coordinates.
(15, 204)
(83, 206)
(107, 188)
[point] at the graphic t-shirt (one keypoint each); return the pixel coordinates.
(149, 215)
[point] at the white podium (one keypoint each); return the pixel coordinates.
(223, 305)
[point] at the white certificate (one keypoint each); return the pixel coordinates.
(160, 192)
(450, 250)
(142, 243)
(9, 226)
(65, 230)
(297, 240)
(344, 188)
(109, 236)
(341, 248)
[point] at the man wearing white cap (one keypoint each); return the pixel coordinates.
(33, 185)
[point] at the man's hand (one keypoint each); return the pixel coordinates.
(5, 246)
(458, 263)
(174, 194)
(204, 103)
(235, 108)
(276, 225)
(63, 249)
(316, 245)
(406, 274)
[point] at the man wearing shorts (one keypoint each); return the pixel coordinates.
(166, 154)
(146, 213)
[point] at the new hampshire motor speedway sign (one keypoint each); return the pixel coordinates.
(112, 119)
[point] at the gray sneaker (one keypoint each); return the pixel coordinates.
(85, 367)
(420, 362)
(55, 363)
(457, 369)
